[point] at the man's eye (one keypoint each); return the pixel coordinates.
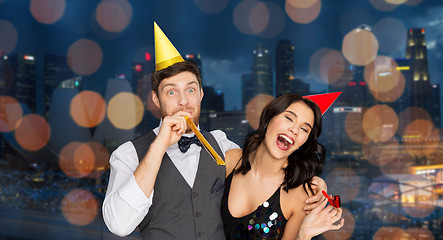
(170, 92)
(191, 90)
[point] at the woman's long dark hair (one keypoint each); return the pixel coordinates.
(304, 163)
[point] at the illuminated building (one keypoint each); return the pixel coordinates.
(262, 71)
(213, 101)
(233, 123)
(420, 84)
(196, 59)
(141, 85)
(298, 86)
(346, 112)
(57, 74)
(247, 89)
(284, 67)
(23, 88)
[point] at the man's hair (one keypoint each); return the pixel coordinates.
(186, 66)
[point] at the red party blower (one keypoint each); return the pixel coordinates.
(334, 200)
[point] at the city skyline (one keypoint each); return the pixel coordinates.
(224, 61)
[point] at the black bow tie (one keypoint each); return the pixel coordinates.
(185, 142)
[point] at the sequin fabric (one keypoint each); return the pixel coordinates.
(266, 222)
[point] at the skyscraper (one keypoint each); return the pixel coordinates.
(284, 67)
(141, 85)
(262, 71)
(196, 59)
(213, 101)
(56, 71)
(420, 87)
(23, 88)
(247, 89)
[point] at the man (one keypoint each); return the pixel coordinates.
(158, 184)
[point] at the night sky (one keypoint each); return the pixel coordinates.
(216, 30)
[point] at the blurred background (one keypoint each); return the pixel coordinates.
(75, 84)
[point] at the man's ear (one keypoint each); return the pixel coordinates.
(201, 94)
(155, 99)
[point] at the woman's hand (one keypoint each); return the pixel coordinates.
(320, 220)
(317, 185)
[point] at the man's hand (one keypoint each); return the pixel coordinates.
(172, 128)
(317, 184)
(320, 220)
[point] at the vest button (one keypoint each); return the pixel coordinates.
(198, 214)
(200, 234)
(194, 194)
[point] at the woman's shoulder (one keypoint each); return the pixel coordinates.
(232, 157)
(293, 201)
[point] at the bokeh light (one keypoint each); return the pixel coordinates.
(114, 15)
(399, 165)
(413, 2)
(354, 128)
(332, 67)
(255, 107)
(48, 11)
(125, 110)
(211, 6)
(383, 5)
(32, 132)
(360, 47)
(416, 134)
(302, 3)
(84, 57)
(242, 14)
(259, 17)
(419, 234)
(417, 198)
(79, 207)
(77, 160)
(101, 156)
(353, 17)
(302, 15)
(411, 114)
(346, 231)
(381, 153)
(325, 64)
(380, 123)
(390, 233)
(398, 2)
(10, 113)
(8, 38)
(384, 80)
(391, 36)
(88, 109)
(344, 182)
(276, 22)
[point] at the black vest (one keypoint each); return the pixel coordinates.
(179, 211)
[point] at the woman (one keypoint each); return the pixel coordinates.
(266, 189)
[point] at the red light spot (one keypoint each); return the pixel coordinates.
(147, 56)
(138, 68)
(362, 83)
(352, 83)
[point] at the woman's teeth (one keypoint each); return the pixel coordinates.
(286, 138)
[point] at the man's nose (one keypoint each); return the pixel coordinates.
(183, 100)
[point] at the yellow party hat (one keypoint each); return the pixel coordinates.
(165, 52)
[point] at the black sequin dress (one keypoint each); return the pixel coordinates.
(266, 222)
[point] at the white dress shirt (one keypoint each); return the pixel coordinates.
(125, 204)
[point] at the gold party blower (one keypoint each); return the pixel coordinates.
(204, 142)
